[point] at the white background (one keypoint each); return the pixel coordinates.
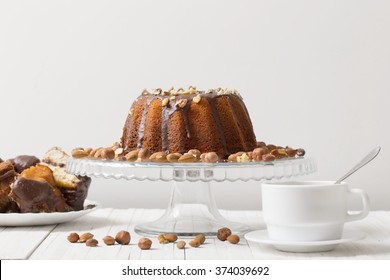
(313, 74)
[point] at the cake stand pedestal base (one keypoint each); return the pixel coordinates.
(191, 210)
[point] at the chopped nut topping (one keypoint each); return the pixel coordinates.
(131, 112)
(172, 97)
(157, 91)
(197, 98)
(145, 91)
(220, 92)
(181, 103)
(165, 101)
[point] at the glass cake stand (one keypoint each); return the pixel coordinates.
(192, 208)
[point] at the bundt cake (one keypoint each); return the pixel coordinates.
(180, 120)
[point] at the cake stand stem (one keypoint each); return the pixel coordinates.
(191, 210)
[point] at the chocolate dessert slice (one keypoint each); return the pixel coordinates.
(7, 177)
(74, 188)
(23, 162)
(36, 196)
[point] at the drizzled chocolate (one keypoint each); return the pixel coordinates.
(34, 196)
(23, 162)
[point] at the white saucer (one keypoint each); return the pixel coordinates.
(261, 236)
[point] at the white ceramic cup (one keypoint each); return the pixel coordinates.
(309, 210)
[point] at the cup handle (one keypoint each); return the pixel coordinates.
(365, 200)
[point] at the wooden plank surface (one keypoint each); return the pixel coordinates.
(49, 242)
(20, 242)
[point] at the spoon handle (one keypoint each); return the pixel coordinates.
(369, 157)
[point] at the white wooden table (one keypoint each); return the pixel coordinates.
(50, 242)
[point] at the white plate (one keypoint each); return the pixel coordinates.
(261, 236)
(40, 219)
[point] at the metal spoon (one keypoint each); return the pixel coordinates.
(369, 157)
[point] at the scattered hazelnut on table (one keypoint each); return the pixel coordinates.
(73, 237)
(85, 236)
(181, 244)
(223, 233)
(109, 240)
(123, 237)
(91, 242)
(194, 243)
(144, 243)
(161, 239)
(234, 239)
(201, 238)
(171, 237)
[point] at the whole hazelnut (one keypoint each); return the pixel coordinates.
(258, 153)
(143, 155)
(223, 233)
(194, 243)
(85, 236)
(161, 239)
(145, 243)
(260, 144)
(195, 152)
(108, 153)
(211, 157)
(79, 153)
(73, 237)
(187, 158)
(109, 240)
(291, 152)
(132, 155)
(271, 147)
(301, 152)
(181, 244)
(123, 237)
(268, 157)
(234, 239)
(201, 238)
(174, 157)
(91, 242)
(171, 237)
(158, 157)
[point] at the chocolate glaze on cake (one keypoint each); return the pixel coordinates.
(178, 121)
(23, 162)
(34, 196)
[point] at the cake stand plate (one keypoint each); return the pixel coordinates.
(192, 208)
